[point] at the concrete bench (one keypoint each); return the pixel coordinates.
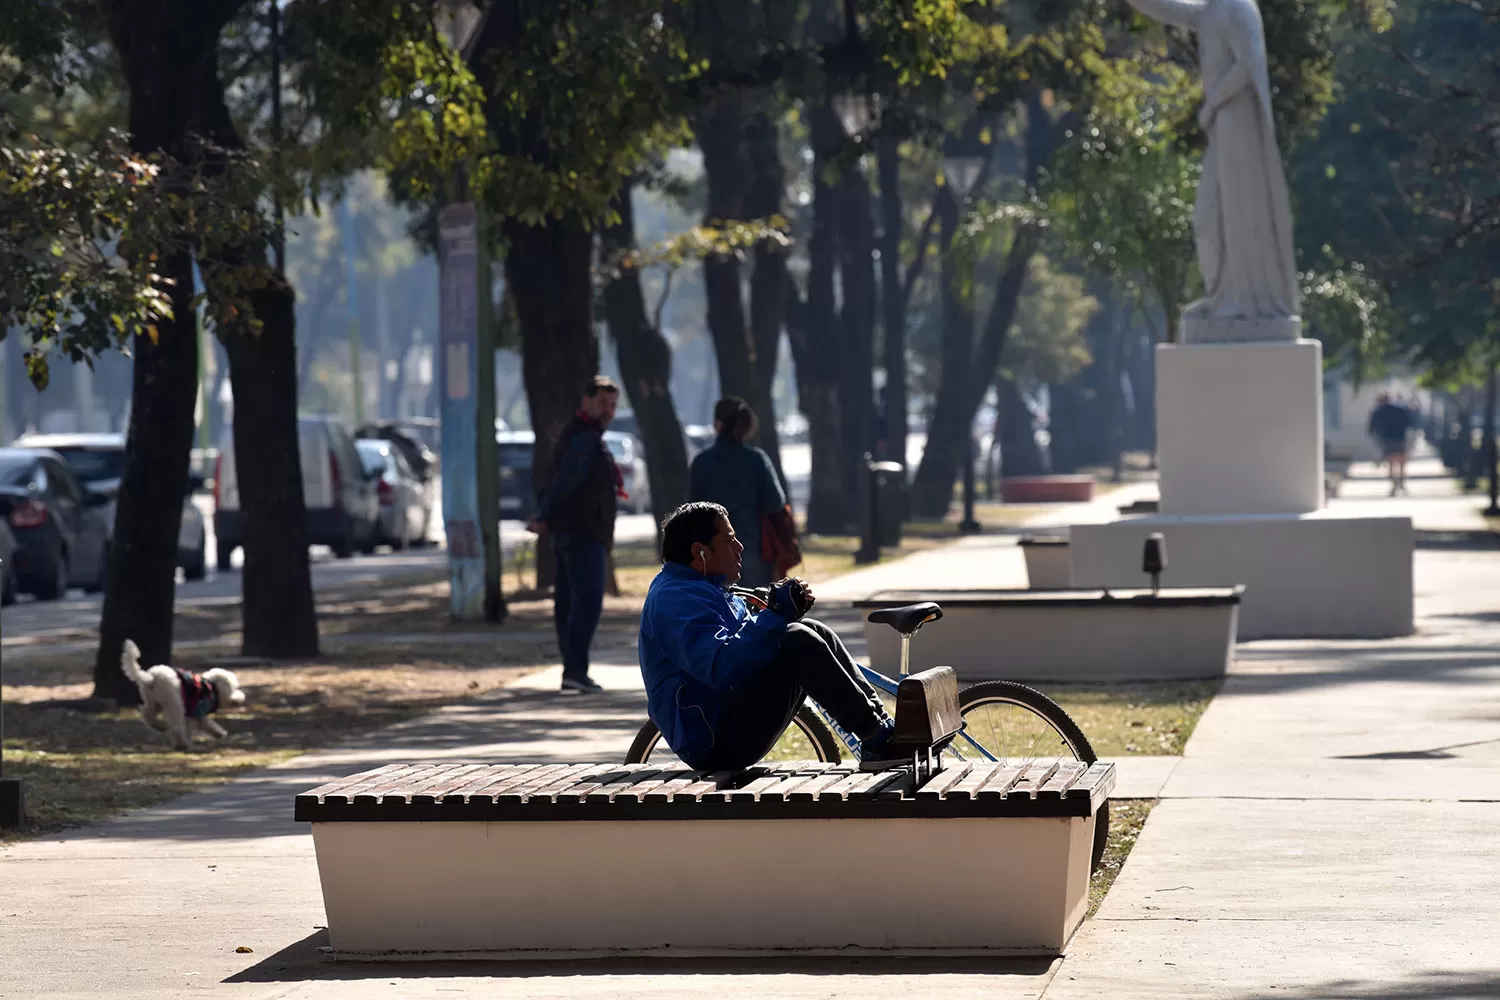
(1067, 635)
(589, 860)
(1049, 561)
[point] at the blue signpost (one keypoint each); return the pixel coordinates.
(458, 323)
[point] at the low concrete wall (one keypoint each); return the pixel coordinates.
(1073, 635)
(1049, 565)
(1316, 576)
(688, 887)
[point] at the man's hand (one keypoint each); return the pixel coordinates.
(537, 527)
(791, 598)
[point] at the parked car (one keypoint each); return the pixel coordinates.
(97, 461)
(698, 438)
(631, 458)
(342, 506)
(513, 456)
(411, 439)
(404, 514)
(9, 586)
(60, 538)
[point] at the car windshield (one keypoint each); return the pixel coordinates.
(90, 465)
(17, 470)
(372, 455)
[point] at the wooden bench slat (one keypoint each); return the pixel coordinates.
(1036, 774)
(342, 786)
(591, 783)
(667, 789)
(943, 780)
(638, 790)
(493, 776)
(1000, 783)
(638, 774)
(476, 792)
(974, 780)
(857, 786)
(376, 791)
(540, 778)
(801, 776)
(690, 794)
(1057, 786)
(429, 792)
(566, 779)
(1085, 786)
(419, 782)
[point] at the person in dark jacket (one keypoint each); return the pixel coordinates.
(740, 478)
(578, 511)
(723, 681)
(1391, 425)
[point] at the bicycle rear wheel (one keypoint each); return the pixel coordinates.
(807, 738)
(1011, 720)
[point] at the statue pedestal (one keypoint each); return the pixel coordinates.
(1240, 428)
(1201, 329)
(1240, 443)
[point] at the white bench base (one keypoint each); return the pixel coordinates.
(576, 889)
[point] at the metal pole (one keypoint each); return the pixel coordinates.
(969, 526)
(346, 223)
(869, 547)
(12, 791)
(486, 459)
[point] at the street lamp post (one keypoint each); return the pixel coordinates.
(960, 172)
(12, 792)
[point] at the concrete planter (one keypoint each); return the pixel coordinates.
(1049, 563)
(1047, 489)
(1067, 635)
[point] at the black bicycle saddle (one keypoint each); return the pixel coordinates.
(908, 618)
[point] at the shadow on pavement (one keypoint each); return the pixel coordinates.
(1422, 986)
(305, 962)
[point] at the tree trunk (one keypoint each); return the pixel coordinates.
(950, 430)
(280, 619)
(947, 431)
(1491, 448)
(1019, 453)
(142, 583)
(857, 321)
(645, 360)
(547, 267)
(721, 137)
(892, 298)
(768, 280)
(167, 55)
(817, 349)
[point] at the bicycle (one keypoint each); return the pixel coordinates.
(1002, 719)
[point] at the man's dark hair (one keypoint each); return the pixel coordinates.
(691, 524)
(601, 383)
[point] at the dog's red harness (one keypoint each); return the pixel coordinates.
(199, 697)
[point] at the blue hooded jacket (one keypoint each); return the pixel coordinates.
(698, 640)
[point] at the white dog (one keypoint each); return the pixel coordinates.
(178, 702)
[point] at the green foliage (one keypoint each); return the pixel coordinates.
(85, 237)
(1121, 192)
(1048, 343)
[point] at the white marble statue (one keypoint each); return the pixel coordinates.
(1242, 222)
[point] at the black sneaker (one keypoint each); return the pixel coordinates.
(582, 685)
(878, 753)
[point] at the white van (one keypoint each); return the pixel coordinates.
(342, 506)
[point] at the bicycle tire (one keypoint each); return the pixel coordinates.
(819, 735)
(1013, 693)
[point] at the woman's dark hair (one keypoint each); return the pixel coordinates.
(736, 418)
(691, 524)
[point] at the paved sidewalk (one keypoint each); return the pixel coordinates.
(1329, 833)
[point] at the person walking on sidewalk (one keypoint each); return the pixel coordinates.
(723, 681)
(739, 477)
(578, 511)
(1390, 426)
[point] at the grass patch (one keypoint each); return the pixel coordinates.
(1152, 718)
(81, 767)
(1126, 818)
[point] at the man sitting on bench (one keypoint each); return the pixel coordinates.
(723, 681)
